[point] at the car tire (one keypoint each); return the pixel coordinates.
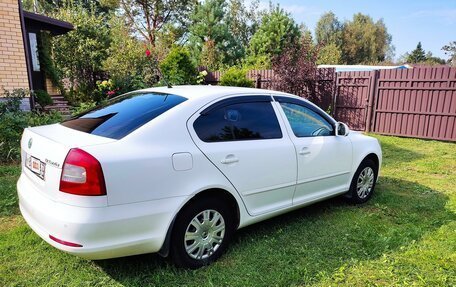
(363, 183)
(201, 233)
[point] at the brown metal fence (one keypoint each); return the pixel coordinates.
(352, 98)
(322, 94)
(262, 78)
(418, 102)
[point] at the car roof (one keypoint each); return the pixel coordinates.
(209, 92)
(199, 95)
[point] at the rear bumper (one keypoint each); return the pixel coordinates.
(103, 232)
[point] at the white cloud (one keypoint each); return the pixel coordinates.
(303, 11)
(446, 16)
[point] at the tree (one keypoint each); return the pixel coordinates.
(243, 21)
(51, 6)
(210, 35)
(296, 69)
(450, 50)
(433, 60)
(417, 56)
(169, 36)
(365, 41)
(328, 30)
(328, 33)
(276, 31)
(329, 55)
(127, 64)
(420, 56)
(178, 68)
(148, 17)
(79, 54)
(305, 33)
(210, 57)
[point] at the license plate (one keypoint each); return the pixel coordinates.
(36, 166)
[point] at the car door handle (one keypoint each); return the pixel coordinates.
(304, 151)
(229, 159)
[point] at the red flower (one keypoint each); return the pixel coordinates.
(147, 52)
(111, 93)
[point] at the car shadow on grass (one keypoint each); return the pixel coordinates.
(305, 245)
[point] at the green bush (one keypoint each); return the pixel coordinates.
(11, 126)
(13, 121)
(79, 54)
(178, 68)
(128, 65)
(41, 119)
(130, 83)
(111, 88)
(83, 107)
(235, 77)
(12, 102)
(105, 89)
(43, 98)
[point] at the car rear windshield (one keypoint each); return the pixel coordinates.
(122, 115)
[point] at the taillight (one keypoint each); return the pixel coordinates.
(82, 174)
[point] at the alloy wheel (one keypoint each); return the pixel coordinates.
(204, 234)
(365, 182)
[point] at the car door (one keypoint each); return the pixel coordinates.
(324, 159)
(244, 139)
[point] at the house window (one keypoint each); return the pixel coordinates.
(34, 52)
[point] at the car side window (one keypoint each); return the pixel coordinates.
(238, 121)
(306, 123)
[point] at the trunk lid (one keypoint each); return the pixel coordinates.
(43, 152)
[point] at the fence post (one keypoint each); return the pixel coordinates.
(334, 94)
(371, 99)
(258, 81)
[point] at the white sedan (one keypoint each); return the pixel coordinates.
(178, 170)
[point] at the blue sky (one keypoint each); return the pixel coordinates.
(433, 22)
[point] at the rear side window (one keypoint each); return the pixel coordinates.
(242, 121)
(124, 114)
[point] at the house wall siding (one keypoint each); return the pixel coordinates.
(13, 69)
(51, 88)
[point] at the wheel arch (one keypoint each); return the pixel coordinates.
(374, 157)
(219, 193)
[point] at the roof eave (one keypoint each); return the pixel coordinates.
(41, 22)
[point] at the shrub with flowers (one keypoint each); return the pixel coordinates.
(105, 89)
(201, 78)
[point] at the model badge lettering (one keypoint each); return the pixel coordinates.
(53, 163)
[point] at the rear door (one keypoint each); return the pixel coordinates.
(244, 139)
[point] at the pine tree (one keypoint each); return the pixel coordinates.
(417, 56)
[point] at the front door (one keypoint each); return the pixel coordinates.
(243, 138)
(324, 159)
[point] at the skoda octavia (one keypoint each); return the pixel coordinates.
(178, 170)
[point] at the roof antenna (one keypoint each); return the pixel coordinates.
(157, 68)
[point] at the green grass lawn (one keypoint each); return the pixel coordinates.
(405, 236)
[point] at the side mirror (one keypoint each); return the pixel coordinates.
(342, 129)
